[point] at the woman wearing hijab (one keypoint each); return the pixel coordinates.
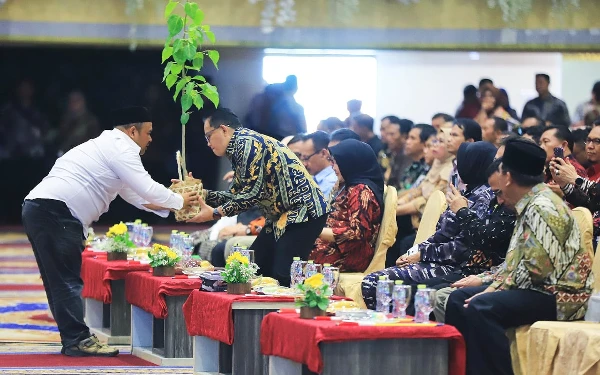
(446, 249)
(348, 241)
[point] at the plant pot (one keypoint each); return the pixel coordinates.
(310, 312)
(165, 271)
(188, 185)
(116, 255)
(239, 288)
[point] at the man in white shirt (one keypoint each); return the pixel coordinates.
(78, 189)
(314, 155)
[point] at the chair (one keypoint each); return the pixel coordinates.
(350, 283)
(519, 337)
(436, 205)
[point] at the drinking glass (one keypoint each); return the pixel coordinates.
(400, 298)
(146, 236)
(187, 245)
(248, 254)
(137, 227)
(427, 303)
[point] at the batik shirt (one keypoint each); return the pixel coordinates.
(268, 175)
(409, 175)
(546, 254)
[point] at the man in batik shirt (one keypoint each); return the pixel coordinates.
(548, 269)
(414, 149)
(268, 175)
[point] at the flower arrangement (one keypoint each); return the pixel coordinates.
(118, 239)
(162, 256)
(238, 269)
(316, 292)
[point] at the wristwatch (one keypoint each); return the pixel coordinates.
(216, 213)
(579, 181)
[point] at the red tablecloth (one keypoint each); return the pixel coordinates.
(148, 292)
(90, 254)
(209, 314)
(97, 273)
(288, 336)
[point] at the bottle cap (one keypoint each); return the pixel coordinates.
(183, 233)
(174, 231)
(327, 265)
(398, 282)
(311, 261)
(383, 277)
(421, 286)
(296, 258)
(144, 224)
(196, 257)
(138, 221)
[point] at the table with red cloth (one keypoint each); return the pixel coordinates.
(157, 324)
(331, 347)
(226, 330)
(107, 312)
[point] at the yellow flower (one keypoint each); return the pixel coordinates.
(315, 281)
(171, 254)
(237, 256)
(117, 230)
(156, 248)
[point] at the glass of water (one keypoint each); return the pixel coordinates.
(146, 236)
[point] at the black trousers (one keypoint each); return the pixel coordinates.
(57, 241)
(484, 322)
(274, 257)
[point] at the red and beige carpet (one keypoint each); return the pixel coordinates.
(29, 339)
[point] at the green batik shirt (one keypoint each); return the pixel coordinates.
(268, 175)
(546, 254)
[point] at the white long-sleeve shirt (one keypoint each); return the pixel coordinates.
(88, 177)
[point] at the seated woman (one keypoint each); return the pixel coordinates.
(447, 249)
(348, 241)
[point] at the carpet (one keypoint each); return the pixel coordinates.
(59, 360)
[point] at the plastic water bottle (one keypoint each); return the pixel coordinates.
(383, 294)
(296, 272)
(400, 299)
(329, 275)
(172, 239)
(311, 269)
(424, 299)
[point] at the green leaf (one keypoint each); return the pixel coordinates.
(170, 8)
(323, 304)
(186, 101)
(166, 53)
(178, 88)
(175, 24)
(199, 17)
(179, 57)
(171, 79)
(198, 61)
(205, 27)
(189, 88)
(190, 51)
(191, 9)
(167, 70)
(177, 45)
(176, 69)
(185, 117)
(198, 101)
(214, 56)
(210, 92)
(211, 36)
(312, 303)
(199, 78)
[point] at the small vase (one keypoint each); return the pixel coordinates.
(163, 271)
(310, 312)
(116, 255)
(239, 288)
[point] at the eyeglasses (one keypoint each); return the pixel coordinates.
(331, 159)
(595, 141)
(307, 158)
(497, 192)
(209, 134)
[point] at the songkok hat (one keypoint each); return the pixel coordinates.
(130, 115)
(524, 157)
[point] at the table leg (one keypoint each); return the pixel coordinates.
(120, 310)
(177, 342)
(211, 356)
(247, 358)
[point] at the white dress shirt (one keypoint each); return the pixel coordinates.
(88, 177)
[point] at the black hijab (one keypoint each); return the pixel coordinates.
(358, 165)
(472, 162)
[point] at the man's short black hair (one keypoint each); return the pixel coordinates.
(522, 179)
(403, 124)
(493, 168)
(445, 116)
(580, 136)
(342, 134)
(562, 133)
(364, 121)
(427, 131)
(295, 139)
(508, 138)
(596, 91)
(391, 118)
(224, 116)
(484, 81)
(544, 76)
(540, 121)
(319, 138)
(535, 132)
(500, 124)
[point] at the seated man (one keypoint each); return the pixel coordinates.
(314, 155)
(548, 269)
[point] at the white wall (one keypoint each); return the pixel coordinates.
(578, 79)
(416, 84)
